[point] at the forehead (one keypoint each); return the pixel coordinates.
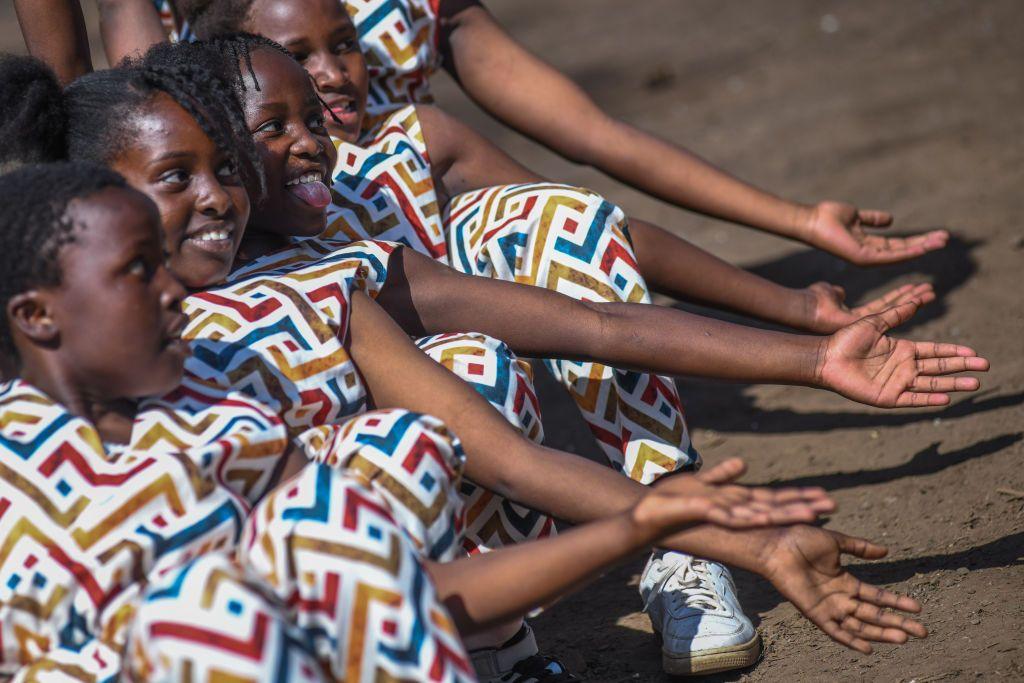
(281, 79)
(289, 19)
(111, 220)
(163, 126)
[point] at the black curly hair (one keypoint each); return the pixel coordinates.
(31, 113)
(94, 117)
(35, 225)
(209, 18)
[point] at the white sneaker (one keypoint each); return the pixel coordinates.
(692, 604)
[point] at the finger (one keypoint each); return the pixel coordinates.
(843, 637)
(788, 495)
(724, 472)
(944, 384)
(916, 399)
(893, 298)
(884, 619)
(873, 633)
(879, 597)
(893, 317)
(859, 547)
(875, 218)
(950, 365)
(944, 350)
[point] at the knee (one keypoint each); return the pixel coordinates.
(495, 372)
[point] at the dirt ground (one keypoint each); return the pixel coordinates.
(915, 107)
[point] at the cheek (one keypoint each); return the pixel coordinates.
(240, 200)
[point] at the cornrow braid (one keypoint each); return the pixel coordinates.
(35, 226)
(238, 47)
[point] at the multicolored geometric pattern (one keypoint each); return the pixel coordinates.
(383, 188)
(330, 549)
(399, 40)
(573, 241)
(276, 330)
(559, 237)
(497, 374)
(214, 620)
(82, 525)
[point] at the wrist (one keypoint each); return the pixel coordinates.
(802, 222)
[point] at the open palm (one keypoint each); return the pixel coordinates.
(840, 229)
(832, 313)
(863, 364)
(805, 567)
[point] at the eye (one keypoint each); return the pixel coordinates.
(346, 45)
(271, 127)
(174, 177)
(300, 57)
(141, 269)
(316, 122)
(227, 170)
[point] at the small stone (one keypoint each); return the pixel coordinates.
(937, 421)
(962, 570)
(829, 23)
(874, 433)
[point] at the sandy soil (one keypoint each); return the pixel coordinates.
(912, 106)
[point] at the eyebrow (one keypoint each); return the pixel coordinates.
(171, 155)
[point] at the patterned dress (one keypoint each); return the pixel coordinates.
(277, 332)
(127, 558)
(562, 238)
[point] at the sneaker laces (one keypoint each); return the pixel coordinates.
(690, 578)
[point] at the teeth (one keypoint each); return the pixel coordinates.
(314, 177)
(213, 236)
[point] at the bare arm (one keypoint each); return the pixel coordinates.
(529, 95)
(54, 31)
(463, 160)
(803, 563)
(129, 28)
(858, 361)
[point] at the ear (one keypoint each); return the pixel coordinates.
(31, 316)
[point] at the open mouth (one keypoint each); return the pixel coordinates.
(309, 188)
(214, 238)
(344, 109)
(172, 338)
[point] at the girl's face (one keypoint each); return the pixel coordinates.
(287, 125)
(117, 311)
(203, 205)
(323, 39)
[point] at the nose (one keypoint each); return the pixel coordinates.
(328, 73)
(212, 199)
(305, 144)
(172, 292)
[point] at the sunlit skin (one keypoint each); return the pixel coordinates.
(111, 330)
(203, 205)
(287, 124)
(323, 39)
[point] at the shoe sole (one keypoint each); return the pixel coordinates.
(713, 661)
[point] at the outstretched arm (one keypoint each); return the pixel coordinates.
(802, 562)
(858, 361)
(493, 587)
(54, 31)
(129, 28)
(529, 95)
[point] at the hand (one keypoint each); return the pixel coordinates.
(838, 228)
(710, 497)
(829, 313)
(864, 365)
(804, 566)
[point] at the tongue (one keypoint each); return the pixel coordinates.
(315, 194)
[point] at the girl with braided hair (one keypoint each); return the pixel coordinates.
(121, 520)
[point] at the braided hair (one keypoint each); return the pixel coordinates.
(35, 226)
(31, 113)
(236, 49)
(93, 118)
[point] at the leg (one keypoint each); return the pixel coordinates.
(210, 620)
(490, 367)
(327, 545)
(573, 241)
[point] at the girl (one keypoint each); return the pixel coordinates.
(91, 522)
(799, 577)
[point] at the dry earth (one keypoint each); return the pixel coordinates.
(913, 106)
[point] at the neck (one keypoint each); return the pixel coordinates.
(257, 244)
(112, 418)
